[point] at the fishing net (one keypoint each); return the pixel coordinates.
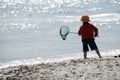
(64, 31)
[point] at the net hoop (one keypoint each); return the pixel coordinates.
(64, 31)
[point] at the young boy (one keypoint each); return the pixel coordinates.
(87, 32)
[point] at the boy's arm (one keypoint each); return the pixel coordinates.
(95, 30)
(79, 32)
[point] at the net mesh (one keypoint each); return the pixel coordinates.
(64, 31)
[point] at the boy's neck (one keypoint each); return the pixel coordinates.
(85, 22)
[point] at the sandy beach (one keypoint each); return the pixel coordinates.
(76, 69)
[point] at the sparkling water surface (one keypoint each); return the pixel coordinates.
(30, 29)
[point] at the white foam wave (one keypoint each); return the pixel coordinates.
(106, 17)
(103, 17)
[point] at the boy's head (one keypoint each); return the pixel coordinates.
(85, 18)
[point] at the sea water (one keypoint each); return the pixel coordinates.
(29, 30)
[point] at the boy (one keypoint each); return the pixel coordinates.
(87, 32)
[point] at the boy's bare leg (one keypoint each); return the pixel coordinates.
(98, 53)
(85, 55)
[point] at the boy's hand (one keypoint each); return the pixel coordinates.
(96, 35)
